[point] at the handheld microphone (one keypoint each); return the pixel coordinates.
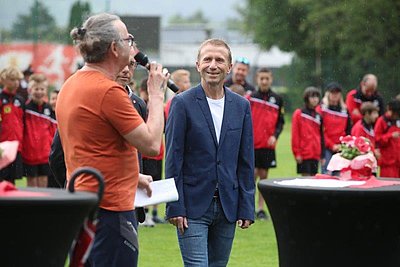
(143, 60)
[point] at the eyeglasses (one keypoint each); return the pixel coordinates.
(130, 39)
(242, 60)
(133, 64)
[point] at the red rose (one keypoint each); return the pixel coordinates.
(361, 145)
(346, 139)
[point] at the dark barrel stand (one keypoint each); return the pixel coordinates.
(38, 231)
(325, 227)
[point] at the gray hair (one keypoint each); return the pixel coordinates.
(95, 36)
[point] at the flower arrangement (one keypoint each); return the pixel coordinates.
(352, 146)
(355, 161)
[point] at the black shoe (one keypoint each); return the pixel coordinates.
(261, 215)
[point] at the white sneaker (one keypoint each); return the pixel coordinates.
(148, 222)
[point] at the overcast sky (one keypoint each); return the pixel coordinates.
(214, 10)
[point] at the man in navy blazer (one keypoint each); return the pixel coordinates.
(209, 144)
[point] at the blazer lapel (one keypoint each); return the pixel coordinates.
(228, 116)
(201, 99)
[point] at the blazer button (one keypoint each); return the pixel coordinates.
(218, 162)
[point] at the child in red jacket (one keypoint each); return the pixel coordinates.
(387, 136)
(336, 119)
(365, 126)
(12, 110)
(39, 131)
(267, 115)
(307, 134)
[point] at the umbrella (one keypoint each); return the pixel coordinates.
(82, 244)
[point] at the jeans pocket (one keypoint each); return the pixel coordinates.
(129, 233)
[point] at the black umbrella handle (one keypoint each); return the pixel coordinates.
(99, 177)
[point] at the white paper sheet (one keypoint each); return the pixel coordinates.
(319, 182)
(162, 191)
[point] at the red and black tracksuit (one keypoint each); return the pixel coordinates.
(267, 115)
(388, 145)
(337, 123)
(40, 128)
(361, 128)
(11, 117)
(307, 134)
(355, 98)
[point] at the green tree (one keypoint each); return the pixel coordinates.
(79, 12)
(333, 40)
(196, 18)
(37, 25)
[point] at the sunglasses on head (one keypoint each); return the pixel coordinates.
(242, 60)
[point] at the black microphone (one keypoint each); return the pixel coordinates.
(143, 60)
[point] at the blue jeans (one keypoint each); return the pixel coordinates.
(327, 157)
(208, 240)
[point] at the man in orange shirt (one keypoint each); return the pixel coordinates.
(100, 128)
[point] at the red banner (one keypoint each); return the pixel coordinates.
(56, 61)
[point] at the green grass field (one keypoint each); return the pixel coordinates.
(255, 246)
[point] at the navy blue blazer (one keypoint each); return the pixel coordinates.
(198, 163)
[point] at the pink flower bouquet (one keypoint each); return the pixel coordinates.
(355, 160)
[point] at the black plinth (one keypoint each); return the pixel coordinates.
(38, 231)
(335, 227)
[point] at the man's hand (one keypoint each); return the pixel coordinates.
(271, 140)
(244, 224)
(180, 223)
(144, 183)
(299, 159)
(158, 79)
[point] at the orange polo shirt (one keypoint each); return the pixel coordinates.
(93, 114)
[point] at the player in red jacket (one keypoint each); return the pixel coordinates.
(12, 110)
(336, 119)
(307, 134)
(387, 136)
(366, 92)
(365, 126)
(40, 128)
(267, 115)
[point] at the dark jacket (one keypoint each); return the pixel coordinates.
(200, 164)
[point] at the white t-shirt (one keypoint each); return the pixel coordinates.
(217, 113)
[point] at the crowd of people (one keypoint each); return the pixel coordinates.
(318, 125)
(220, 137)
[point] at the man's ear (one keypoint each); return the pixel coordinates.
(230, 68)
(113, 49)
